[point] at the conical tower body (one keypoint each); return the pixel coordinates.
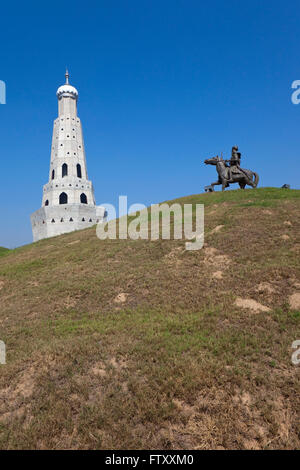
(68, 201)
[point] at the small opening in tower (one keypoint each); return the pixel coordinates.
(83, 219)
(52, 221)
(83, 198)
(71, 220)
(47, 203)
(64, 170)
(63, 198)
(53, 174)
(79, 174)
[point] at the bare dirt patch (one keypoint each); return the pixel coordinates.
(99, 370)
(186, 409)
(34, 284)
(294, 301)
(69, 302)
(172, 259)
(217, 229)
(118, 364)
(121, 298)
(217, 275)
(251, 304)
(26, 384)
(174, 253)
(213, 257)
(11, 398)
(266, 287)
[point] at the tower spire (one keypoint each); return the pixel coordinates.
(67, 77)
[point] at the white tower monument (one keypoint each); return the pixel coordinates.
(68, 202)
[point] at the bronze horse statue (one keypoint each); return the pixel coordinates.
(227, 177)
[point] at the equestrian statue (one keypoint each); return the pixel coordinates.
(229, 172)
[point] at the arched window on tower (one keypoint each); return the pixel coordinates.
(64, 170)
(79, 174)
(83, 198)
(63, 198)
(53, 174)
(47, 203)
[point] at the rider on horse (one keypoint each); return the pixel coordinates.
(234, 163)
(230, 172)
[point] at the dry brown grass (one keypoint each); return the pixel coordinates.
(136, 344)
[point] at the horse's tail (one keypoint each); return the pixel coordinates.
(256, 179)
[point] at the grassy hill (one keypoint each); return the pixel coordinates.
(135, 344)
(3, 251)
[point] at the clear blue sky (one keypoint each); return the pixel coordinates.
(162, 86)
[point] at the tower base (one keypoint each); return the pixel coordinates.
(55, 220)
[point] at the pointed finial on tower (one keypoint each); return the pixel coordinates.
(67, 89)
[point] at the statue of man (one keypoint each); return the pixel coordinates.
(234, 162)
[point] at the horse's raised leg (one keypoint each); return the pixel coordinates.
(215, 184)
(250, 183)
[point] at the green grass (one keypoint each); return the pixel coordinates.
(4, 251)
